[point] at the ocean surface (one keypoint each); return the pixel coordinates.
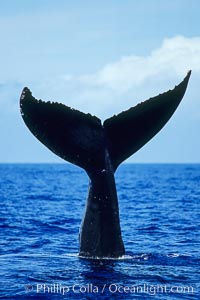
(41, 210)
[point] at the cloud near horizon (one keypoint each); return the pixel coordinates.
(174, 58)
(133, 77)
(115, 87)
(121, 84)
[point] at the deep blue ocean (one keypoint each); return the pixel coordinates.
(41, 210)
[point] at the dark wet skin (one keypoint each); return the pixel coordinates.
(99, 149)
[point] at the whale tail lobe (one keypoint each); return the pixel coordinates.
(81, 138)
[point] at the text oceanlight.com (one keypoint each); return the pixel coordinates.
(112, 288)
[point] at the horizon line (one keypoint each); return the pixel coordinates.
(124, 163)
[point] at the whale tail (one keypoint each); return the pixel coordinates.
(81, 138)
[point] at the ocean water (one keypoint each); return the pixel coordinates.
(41, 211)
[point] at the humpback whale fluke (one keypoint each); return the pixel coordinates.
(99, 149)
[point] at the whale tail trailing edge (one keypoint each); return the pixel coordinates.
(81, 139)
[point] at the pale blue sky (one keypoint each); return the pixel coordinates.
(100, 57)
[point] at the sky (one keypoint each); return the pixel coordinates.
(100, 57)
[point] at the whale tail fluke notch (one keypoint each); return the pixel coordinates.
(81, 139)
(132, 129)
